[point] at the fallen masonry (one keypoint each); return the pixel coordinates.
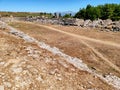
(103, 25)
(107, 24)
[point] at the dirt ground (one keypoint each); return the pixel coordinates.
(25, 66)
(91, 32)
(103, 58)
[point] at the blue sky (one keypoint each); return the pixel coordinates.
(49, 5)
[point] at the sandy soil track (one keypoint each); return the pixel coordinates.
(84, 38)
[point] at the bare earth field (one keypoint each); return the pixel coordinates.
(26, 66)
(94, 54)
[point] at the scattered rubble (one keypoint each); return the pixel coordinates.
(101, 24)
(113, 79)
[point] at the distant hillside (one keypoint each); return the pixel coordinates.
(24, 14)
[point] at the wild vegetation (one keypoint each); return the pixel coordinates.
(67, 16)
(107, 11)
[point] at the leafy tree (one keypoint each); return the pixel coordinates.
(116, 13)
(81, 14)
(67, 16)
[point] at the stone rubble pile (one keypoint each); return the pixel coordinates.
(107, 25)
(104, 25)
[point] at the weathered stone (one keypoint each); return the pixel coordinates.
(107, 22)
(87, 23)
(1, 87)
(79, 22)
(69, 21)
(7, 84)
(97, 23)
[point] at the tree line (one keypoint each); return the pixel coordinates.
(106, 11)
